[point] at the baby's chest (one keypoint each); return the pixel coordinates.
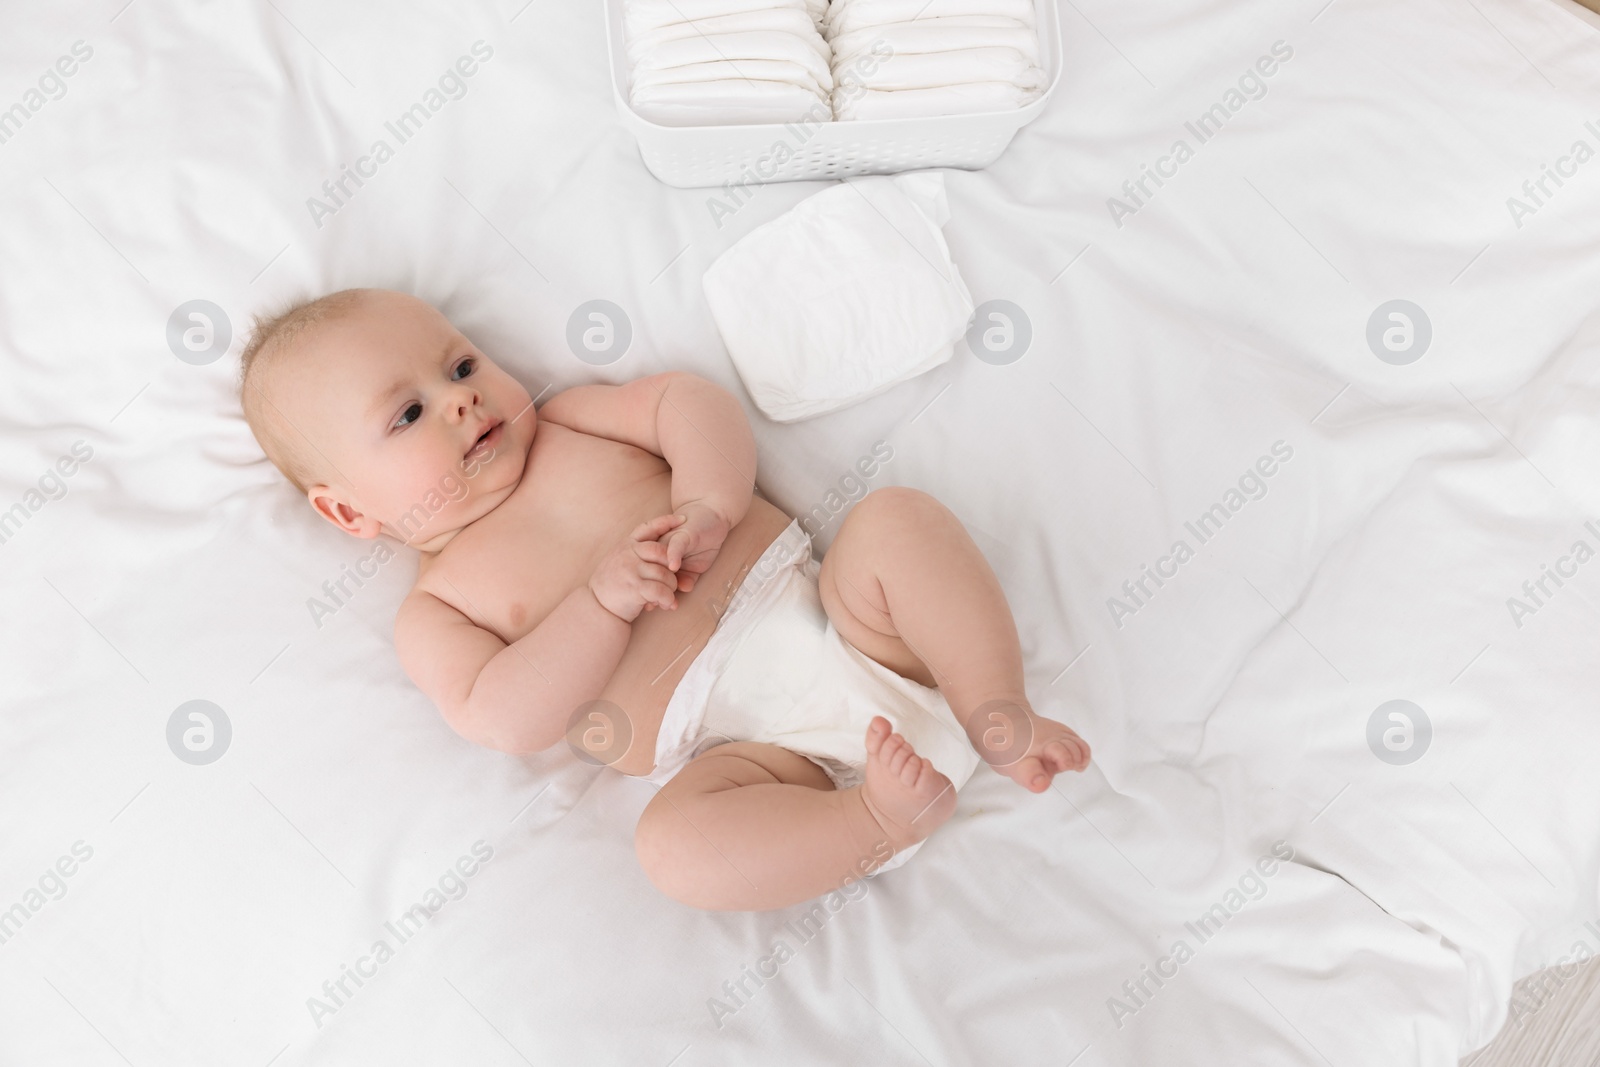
(512, 582)
(513, 568)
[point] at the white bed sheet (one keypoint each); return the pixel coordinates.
(1227, 313)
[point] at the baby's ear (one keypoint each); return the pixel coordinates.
(327, 504)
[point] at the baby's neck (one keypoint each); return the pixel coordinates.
(430, 544)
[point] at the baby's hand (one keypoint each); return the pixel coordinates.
(634, 576)
(693, 546)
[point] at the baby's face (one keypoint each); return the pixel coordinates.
(418, 432)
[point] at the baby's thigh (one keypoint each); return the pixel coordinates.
(732, 765)
(853, 574)
(679, 828)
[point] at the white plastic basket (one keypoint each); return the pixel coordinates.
(699, 156)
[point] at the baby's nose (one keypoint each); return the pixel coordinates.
(464, 401)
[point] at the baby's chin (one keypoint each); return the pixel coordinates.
(446, 505)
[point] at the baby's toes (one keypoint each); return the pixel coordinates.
(1030, 773)
(899, 755)
(877, 733)
(1065, 755)
(915, 767)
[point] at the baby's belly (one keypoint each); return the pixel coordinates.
(664, 643)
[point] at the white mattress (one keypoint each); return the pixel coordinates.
(1228, 313)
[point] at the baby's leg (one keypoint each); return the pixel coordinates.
(749, 827)
(905, 584)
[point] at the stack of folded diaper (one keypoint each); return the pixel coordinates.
(905, 58)
(716, 62)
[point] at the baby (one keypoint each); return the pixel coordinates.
(601, 570)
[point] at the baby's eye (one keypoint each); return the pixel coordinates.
(409, 415)
(463, 369)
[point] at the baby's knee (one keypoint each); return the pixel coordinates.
(668, 855)
(653, 837)
(896, 504)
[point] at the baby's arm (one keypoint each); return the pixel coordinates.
(695, 425)
(518, 697)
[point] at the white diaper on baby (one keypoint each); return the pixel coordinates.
(849, 293)
(776, 671)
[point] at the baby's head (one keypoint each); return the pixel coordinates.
(384, 415)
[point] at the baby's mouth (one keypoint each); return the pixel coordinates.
(484, 444)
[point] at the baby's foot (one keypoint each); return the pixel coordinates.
(1027, 748)
(904, 792)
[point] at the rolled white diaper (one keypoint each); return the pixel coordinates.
(778, 19)
(725, 103)
(723, 62)
(771, 70)
(847, 15)
(932, 35)
(965, 66)
(843, 297)
(641, 16)
(736, 46)
(860, 105)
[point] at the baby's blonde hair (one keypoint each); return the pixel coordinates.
(272, 339)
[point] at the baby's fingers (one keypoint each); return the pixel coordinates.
(678, 544)
(654, 528)
(658, 585)
(652, 552)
